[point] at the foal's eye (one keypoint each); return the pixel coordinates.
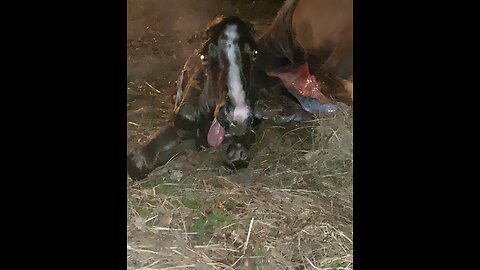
(202, 57)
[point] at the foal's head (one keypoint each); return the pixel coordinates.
(229, 52)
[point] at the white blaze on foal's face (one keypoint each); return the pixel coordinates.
(235, 85)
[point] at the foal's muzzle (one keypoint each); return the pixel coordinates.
(237, 129)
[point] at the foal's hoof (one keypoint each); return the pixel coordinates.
(237, 157)
(136, 168)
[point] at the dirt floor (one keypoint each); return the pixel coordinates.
(290, 209)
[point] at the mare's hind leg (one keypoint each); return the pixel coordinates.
(344, 74)
(339, 79)
(281, 83)
(165, 144)
(305, 109)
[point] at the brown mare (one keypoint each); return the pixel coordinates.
(309, 37)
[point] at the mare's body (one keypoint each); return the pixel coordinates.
(309, 37)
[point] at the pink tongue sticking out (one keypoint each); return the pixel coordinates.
(301, 81)
(216, 134)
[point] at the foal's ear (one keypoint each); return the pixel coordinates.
(214, 25)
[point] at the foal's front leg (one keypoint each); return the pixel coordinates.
(162, 146)
(238, 153)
